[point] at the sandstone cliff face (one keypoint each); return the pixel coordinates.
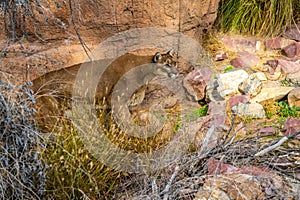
(98, 20)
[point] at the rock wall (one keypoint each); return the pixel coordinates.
(103, 18)
(96, 20)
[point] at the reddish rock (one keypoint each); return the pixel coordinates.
(292, 50)
(292, 125)
(235, 100)
(293, 32)
(216, 108)
(195, 82)
(249, 59)
(266, 131)
(217, 167)
(288, 66)
(221, 55)
(274, 43)
(272, 63)
(241, 44)
(237, 63)
(245, 59)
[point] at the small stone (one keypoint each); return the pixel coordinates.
(221, 55)
(250, 59)
(235, 100)
(292, 50)
(252, 86)
(229, 82)
(266, 131)
(294, 97)
(254, 110)
(237, 63)
(272, 63)
(273, 44)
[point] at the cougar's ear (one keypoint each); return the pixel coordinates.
(157, 57)
(171, 52)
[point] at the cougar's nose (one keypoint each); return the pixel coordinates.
(173, 74)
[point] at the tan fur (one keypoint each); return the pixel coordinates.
(57, 86)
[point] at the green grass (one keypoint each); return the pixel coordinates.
(286, 111)
(281, 109)
(228, 68)
(256, 17)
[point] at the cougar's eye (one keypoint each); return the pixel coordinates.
(167, 67)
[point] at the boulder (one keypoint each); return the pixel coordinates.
(294, 97)
(294, 78)
(271, 92)
(288, 66)
(292, 50)
(251, 86)
(254, 110)
(229, 82)
(241, 44)
(195, 82)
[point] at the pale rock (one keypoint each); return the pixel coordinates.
(221, 55)
(212, 94)
(274, 76)
(294, 97)
(294, 78)
(261, 76)
(271, 91)
(254, 110)
(251, 86)
(229, 82)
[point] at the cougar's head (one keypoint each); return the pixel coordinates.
(168, 63)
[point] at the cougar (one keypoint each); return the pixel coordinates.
(53, 88)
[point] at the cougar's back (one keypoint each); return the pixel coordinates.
(54, 88)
